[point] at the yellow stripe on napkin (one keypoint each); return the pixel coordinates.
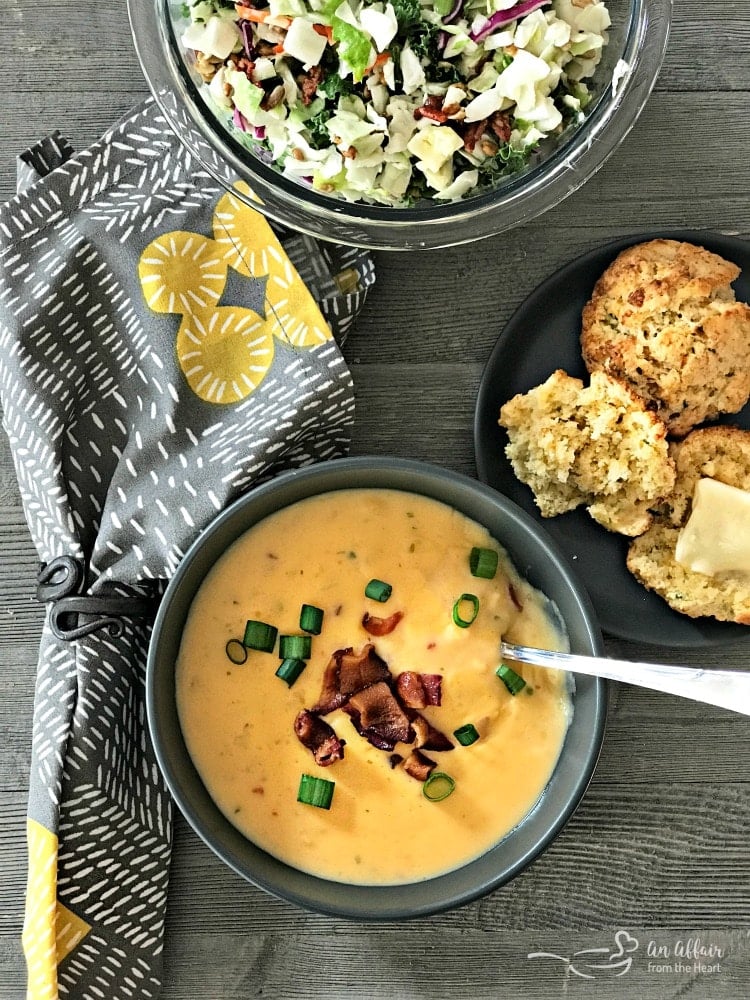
(50, 931)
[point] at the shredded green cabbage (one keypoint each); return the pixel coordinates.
(401, 105)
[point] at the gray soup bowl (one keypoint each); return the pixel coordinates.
(536, 557)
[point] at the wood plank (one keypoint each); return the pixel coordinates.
(20, 613)
(421, 962)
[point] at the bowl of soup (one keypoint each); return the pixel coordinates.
(328, 702)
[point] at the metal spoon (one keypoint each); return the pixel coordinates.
(724, 688)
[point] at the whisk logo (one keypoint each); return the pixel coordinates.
(597, 963)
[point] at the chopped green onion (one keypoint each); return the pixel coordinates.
(259, 635)
(438, 786)
(295, 647)
(378, 590)
(466, 735)
(513, 681)
(236, 651)
(483, 562)
(458, 618)
(315, 791)
(311, 619)
(290, 670)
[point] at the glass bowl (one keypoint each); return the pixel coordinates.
(621, 86)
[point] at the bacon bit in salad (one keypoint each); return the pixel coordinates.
(380, 626)
(419, 690)
(433, 109)
(473, 134)
(317, 736)
(247, 66)
(309, 83)
(501, 125)
(419, 766)
(378, 717)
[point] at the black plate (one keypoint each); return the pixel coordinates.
(541, 336)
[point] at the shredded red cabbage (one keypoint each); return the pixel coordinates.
(246, 30)
(239, 121)
(504, 17)
(450, 17)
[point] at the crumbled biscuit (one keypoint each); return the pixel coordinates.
(593, 445)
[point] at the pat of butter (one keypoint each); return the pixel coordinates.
(716, 537)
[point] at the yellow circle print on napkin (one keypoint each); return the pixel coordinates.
(225, 351)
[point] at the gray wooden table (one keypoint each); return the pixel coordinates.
(660, 844)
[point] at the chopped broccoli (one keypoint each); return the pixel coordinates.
(316, 126)
(506, 161)
(333, 86)
(408, 13)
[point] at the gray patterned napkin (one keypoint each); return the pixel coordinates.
(162, 349)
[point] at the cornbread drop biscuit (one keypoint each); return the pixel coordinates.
(594, 445)
(663, 317)
(721, 453)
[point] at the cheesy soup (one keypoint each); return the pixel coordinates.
(395, 713)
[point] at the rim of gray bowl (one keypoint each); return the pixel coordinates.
(536, 557)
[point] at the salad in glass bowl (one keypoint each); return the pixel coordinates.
(396, 102)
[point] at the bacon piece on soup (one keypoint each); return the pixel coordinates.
(417, 690)
(381, 626)
(317, 736)
(378, 717)
(426, 736)
(419, 766)
(347, 673)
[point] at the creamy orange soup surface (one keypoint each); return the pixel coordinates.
(238, 720)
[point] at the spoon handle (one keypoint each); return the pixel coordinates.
(724, 688)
